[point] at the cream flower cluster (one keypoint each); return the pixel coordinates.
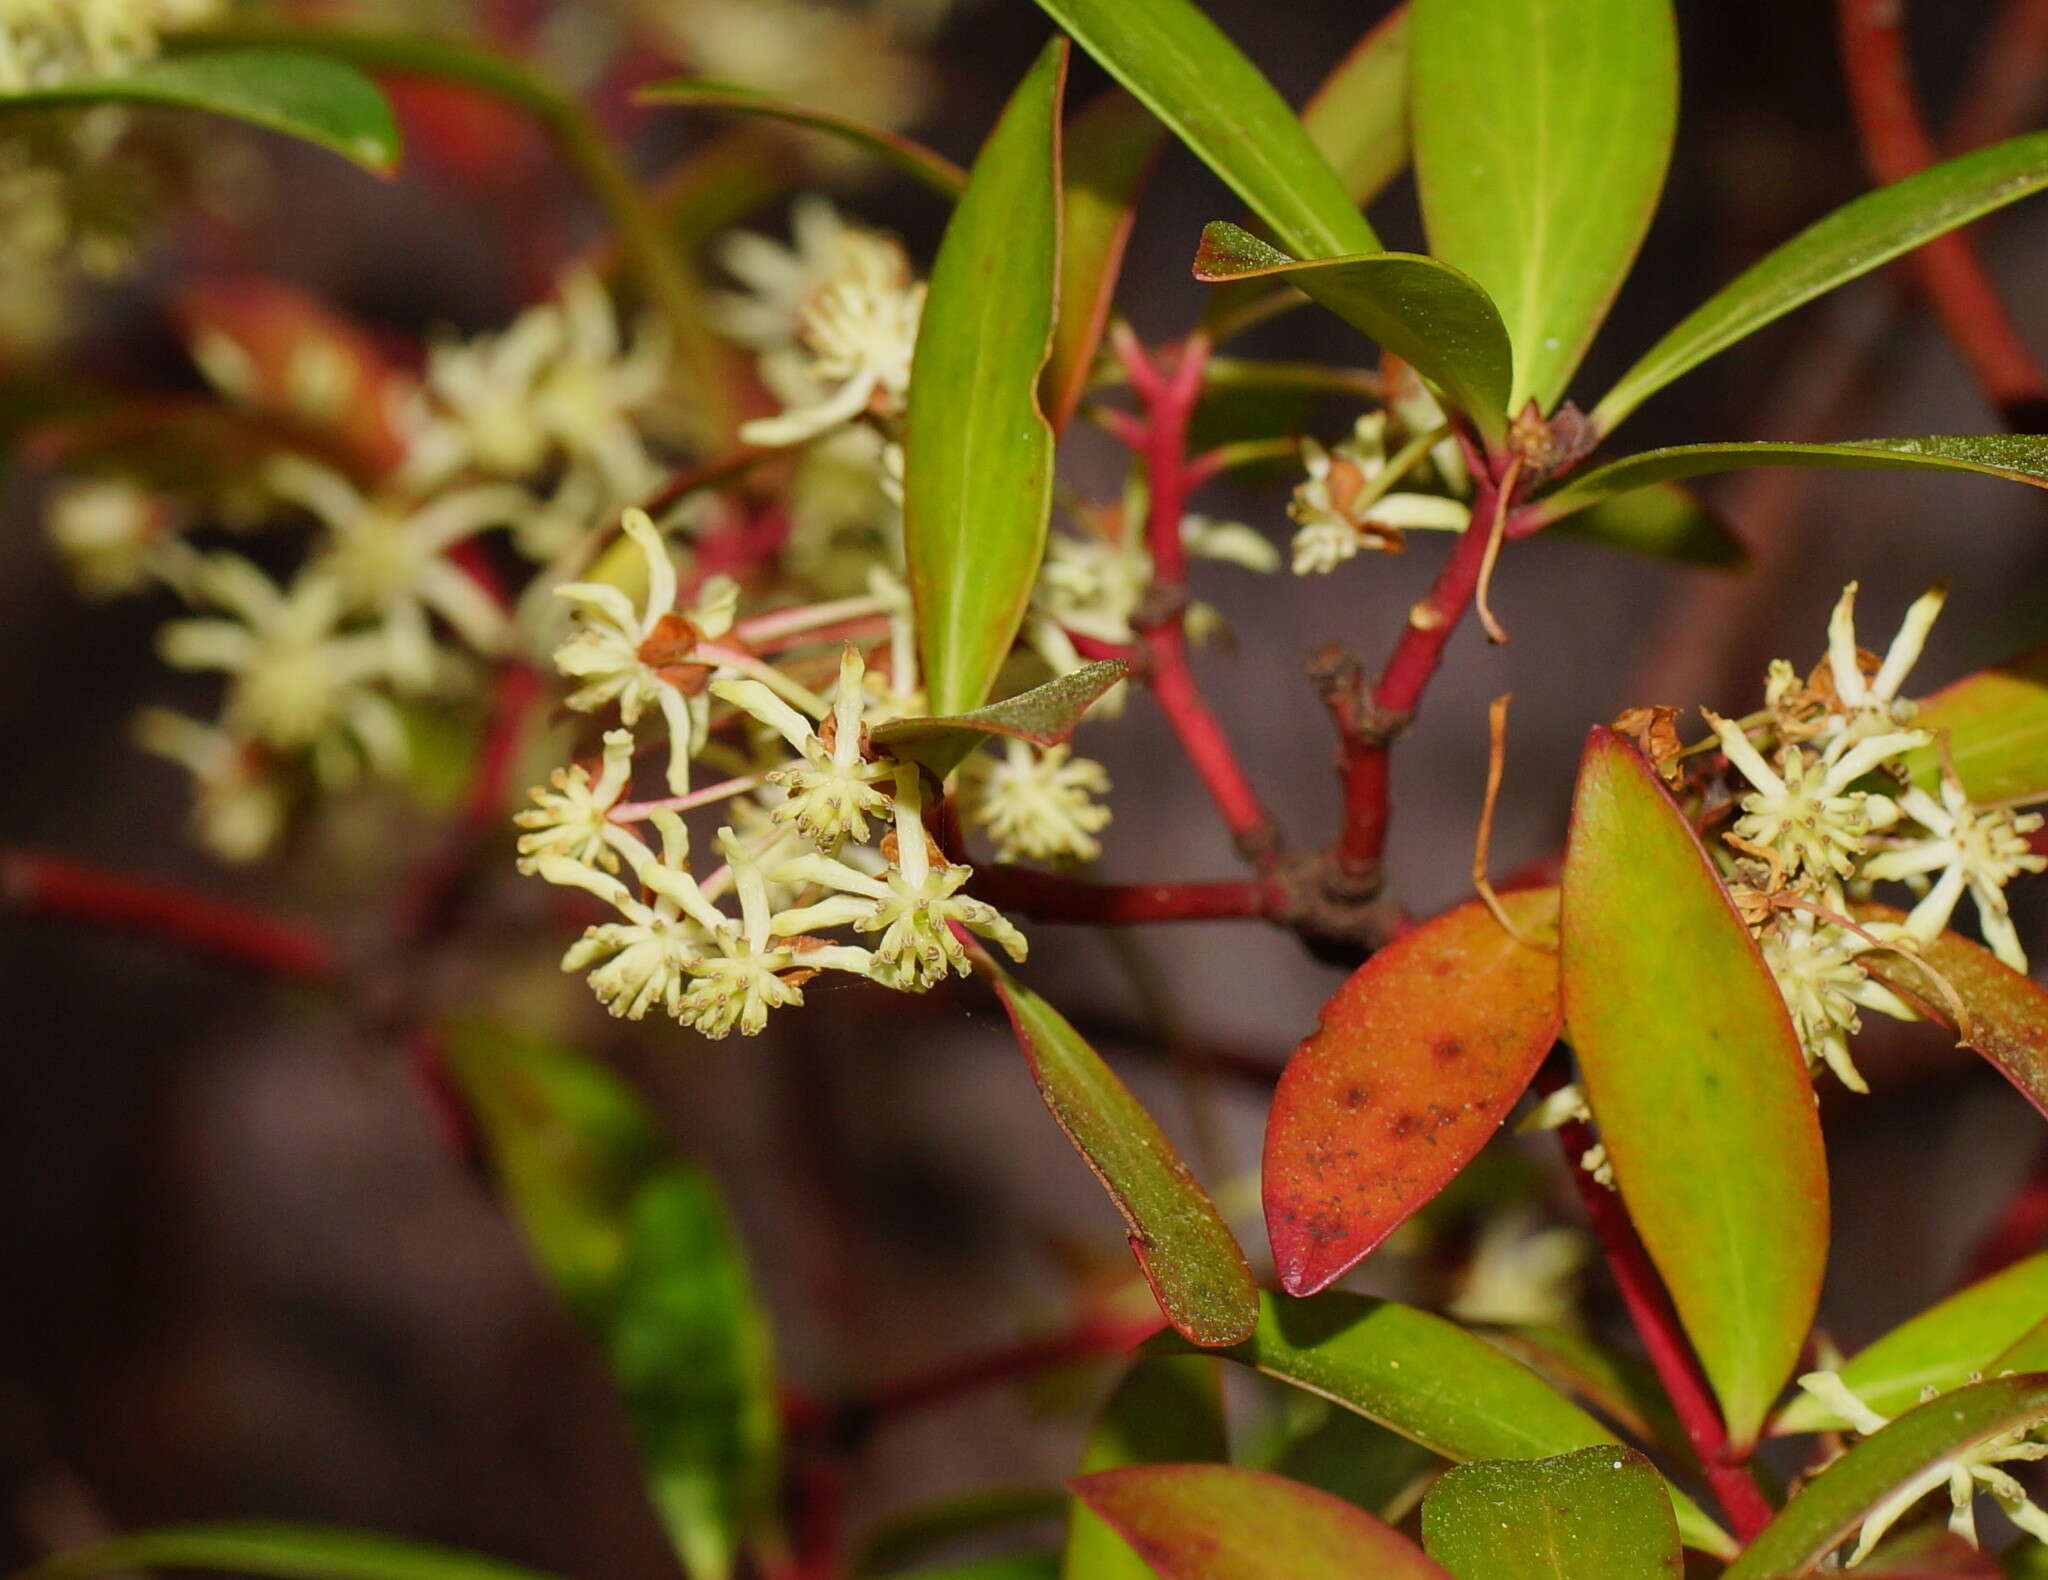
(1974, 1471)
(1351, 500)
(1827, 807)
(46, 43)
(823, 839)
(383, 610)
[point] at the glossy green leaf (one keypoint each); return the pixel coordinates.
(977, 450)
(1167, 1410)
(1220, 1522)
(302, 95)
(1666, 521)
(1359, 116)
(1427, 313)
(1695, 1079)
(285, 1552)
(1831, 1507)
(1174, 60)
(637, 1243)
(1542, 133)
(2022, 458)
(2007, 1012)
(1942, 1348)
(1413, 1064)
(1189, 1256)
(906, 153)
(1858, 237)
(1109, 150)
(1622, 1388)
(2028, 1354)
(1597, 1514)
(1995, 725)
(1341, 1453)
(1432, 1382)
(1045, 715)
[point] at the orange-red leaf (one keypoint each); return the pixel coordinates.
(2008, 1013)
(1411, 1069)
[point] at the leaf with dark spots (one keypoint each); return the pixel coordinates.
(1414, 1064)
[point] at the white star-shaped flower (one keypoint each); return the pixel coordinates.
(834, 788)
(1977, 850)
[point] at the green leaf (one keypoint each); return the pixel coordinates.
(1359, 116)
(1858, 237)
(1432, 1382)
(977, 483)
(1666, 521)
(1597, 1514)
(286, 1552)
(1542, 133)
(1219, 1522)
(1942, 1348)
(1165, 1411)
(2023, 458)
(1110, 149)
(1189, 1256)
(1347, 1456)
(1622, 1388)
(302, 95)
(1996, 726)
(638, 1245)
(1187, 73)
(2029, 1354)
(1831, 1507)
(906, 153)
(1426, 313)
(1413, 1065)
(2007, 1012)
(1695, 1079)
(1045, 716)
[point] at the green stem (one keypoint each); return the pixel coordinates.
(665, 275)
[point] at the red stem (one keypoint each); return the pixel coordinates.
(1368, 723)
(1169, 396)
(198, 924)
(1896, 144)
(1052, 897)
(2005, 90)
(1649, 1308)
(1095, 1338)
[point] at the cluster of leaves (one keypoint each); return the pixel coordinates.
(1569, 1462)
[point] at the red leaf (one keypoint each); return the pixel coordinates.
(1414, 1064)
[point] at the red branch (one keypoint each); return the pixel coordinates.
(2005, 90)
(1649, 1308)
(1367, 722)
(196, 923)
(1051, 897)
(1896, 144)
(1170, 394)
(1096, 1338)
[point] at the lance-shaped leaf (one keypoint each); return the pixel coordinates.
(1666, 521)
(1621, 1388)
(2007, 1013)
(2028, 1354)
(1833, 1506)
(1167, 1410)
(1358, 117)
(1045, 716)
(1433, 1383)
(1856, 238)
(1174, 60)
(1695, 1079)
(1109, 150)
(1525, 184)
(1189, 1256)
(1942, 1348)
(1220, 1522)
(1598, 1514)
(1995, 724)
(287, 1552)
(934, 169)
(977, 450)
(2022, 458)
(1428, 314)
(638, 1245)
(1412, 1067)
(309, 97)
